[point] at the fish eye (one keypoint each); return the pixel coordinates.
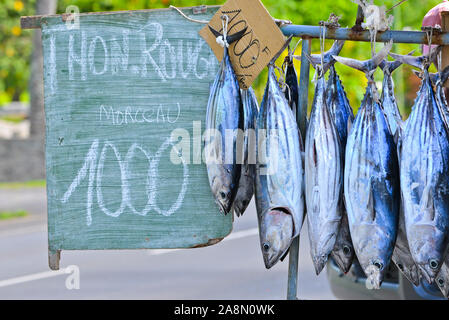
(223, 195)
(266, 246)
(400, 266)
(346, 250)
(433, 263)
(378, 265)
(440, 282)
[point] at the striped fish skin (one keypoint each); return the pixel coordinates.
(371, 178)
(224, 113)
(425, 180)
(442, 279)
(279, 180)
(388, 99)
(343, 117)
(323, 179)
(402, 256)
(245, 190)
(372, 189)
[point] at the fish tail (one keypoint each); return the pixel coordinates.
(328, 56)
(390, 66)
(421, 62)
(368, 65)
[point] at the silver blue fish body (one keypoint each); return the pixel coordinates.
(323, 179)
(343, 117)
(245, 190)
(279, 174)
(442, 279)
(372, 189)
(388, 99)
(402, 256)
(425, 181)
(224, 116)
(371, 179)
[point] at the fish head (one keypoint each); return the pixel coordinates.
(429, 270)
(410, 270)
(223, 189)
(344, 256)
(427, 248)
(276, 235)
(374, 249)
(442, 281)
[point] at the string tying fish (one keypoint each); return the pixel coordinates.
(222, 40)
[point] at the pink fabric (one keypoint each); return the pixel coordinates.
(433, 18)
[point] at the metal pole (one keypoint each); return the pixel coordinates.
(349, 34)
(292, 288)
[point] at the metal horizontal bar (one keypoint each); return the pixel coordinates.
(350, 34)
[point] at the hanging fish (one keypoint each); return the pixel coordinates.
(371, 179)
(343, 116)
(439, 79)
(402, 256)
(279, 174)
(425, 175)
(323, 174)
(246, 184)
(224, 116)
(291, 81)
(388, 99)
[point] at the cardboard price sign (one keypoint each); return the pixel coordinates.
(261, 42)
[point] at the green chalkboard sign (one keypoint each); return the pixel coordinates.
(125, 103)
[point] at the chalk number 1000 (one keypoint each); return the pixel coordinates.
(93, 168)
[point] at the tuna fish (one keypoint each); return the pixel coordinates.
(341, 114)
(246, 184)
(224, 116)
(323, 175)
(291, 79)
(279, 174)
(402, 256)
(439, 79)
(425, 176)
(371, 179)
(343, 117)
(388, 100)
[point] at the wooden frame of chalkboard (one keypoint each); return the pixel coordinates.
(125, 102)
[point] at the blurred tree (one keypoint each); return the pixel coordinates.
(15, 50)
(37, 119)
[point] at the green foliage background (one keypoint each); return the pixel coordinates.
(15, 49)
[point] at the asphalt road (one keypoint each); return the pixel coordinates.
(232, 269)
